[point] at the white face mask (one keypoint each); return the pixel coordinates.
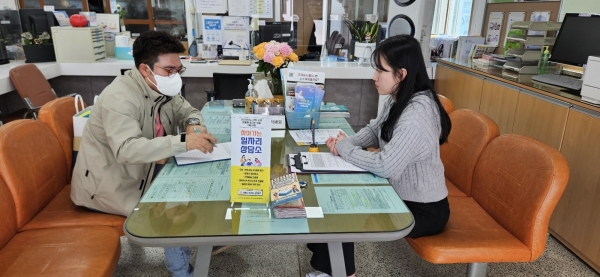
(169, 86)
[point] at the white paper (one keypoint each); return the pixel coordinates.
(108, 21)
(278, 133)
(236, 34)
(239, 7)
(212, 29)
(304, 137)
(228, 214)
(211, 6)
(314, 212)
(222, 151)
(493, 28)
(538, 16)
(326, 162)
(319, 31)
(512, 17)
(48, 8)
(262, 8)
(62, 18)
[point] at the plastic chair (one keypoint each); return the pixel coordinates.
(32, 86)
(516, 185)
(471, 133)
(228, 86)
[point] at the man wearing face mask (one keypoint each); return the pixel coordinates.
(133, 124)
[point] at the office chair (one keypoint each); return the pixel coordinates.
(228, 86)
(32, 86)
(123, 70)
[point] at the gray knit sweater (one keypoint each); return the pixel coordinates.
(411, 160)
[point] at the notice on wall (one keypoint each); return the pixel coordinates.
(512, 17)
(493, 28)
(236, 35)
(538, 16)
(211, 6)
(212, 28)
(262, 8)
(250, 158)
(239, 7)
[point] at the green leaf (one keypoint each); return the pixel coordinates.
(374, 31)
(364, 31)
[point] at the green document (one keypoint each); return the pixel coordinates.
(218, 168)
(348, 179)
(188, 189)
(255, 220)
(359, 200)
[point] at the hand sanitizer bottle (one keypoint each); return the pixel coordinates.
(250, 92)
(543, 64)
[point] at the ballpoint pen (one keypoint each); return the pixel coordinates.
(313, 147)
(198, 132)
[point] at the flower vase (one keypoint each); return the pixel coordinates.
(122, 24)
(276, 86)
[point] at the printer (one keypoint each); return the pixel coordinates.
(590, 90)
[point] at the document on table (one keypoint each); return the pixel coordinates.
(348, 179)
(304, 137)
(188, 189)
(359, 200)
(323, 162)
(255, 220)
(219, 168)
(222, 151)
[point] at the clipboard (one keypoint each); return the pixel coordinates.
(301, 160)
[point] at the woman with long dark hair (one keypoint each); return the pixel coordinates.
(408, 132)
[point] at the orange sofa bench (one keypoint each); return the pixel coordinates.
(516, 184)
(45, 233)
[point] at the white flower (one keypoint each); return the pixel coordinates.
(27, 35)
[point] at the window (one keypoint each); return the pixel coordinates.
(452, 17)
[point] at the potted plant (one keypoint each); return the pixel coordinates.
(38, 48)
(121, 12)
(364, 36)
(271, 57)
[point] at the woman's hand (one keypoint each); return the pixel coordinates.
(331, 142)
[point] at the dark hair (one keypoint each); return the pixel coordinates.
(404, 51)
(152, 44)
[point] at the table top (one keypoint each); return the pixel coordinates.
(186, 222)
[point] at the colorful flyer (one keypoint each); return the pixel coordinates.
(250, 158)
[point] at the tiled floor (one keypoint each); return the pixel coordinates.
(383, 259)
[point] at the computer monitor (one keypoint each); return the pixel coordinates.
(280, 32)
(578, 38)
(41, 20)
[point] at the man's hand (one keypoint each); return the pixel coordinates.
(190, 129)
(202, 141)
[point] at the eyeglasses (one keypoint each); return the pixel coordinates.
(172, 71)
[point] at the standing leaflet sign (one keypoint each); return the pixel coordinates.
(250, 158)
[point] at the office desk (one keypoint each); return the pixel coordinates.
(208, 223)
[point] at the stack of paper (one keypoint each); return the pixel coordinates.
(286, 197)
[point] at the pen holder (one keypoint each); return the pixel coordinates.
(298, 121)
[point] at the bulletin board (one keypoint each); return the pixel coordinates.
(527, 7)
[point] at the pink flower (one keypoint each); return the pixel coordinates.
(285, 49)
(273, 47)
(268, 57)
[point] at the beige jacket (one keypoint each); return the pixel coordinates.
(118, 148)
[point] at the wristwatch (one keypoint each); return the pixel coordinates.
(192, 121)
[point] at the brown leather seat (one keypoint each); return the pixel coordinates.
(516, 185)
(32, 86)
(77, 251)
(471, 132)
(34, 170)
(446, 103)
(58, 115)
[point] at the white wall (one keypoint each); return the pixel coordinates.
(578, 6)
(8, 5)
(477, 16)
